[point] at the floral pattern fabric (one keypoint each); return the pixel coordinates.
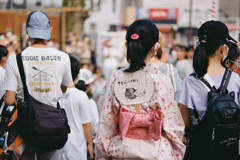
(109, 143)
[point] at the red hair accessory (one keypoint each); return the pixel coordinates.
(135, 36)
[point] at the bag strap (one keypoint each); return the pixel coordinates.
(22, 74)
(1, 101)
(226, 79)
(173, 78)
(195, 113)
(167, 69)
(208, 84)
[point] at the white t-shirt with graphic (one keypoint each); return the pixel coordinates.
(77, 107)
(45, 70)
(2, 73)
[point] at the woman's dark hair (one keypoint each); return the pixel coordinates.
(3, 52)
(233, 54)
(202, 52)
(159, 53)
(75, 66)
(82, 86)
(138, 48)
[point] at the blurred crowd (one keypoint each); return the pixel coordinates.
(84, 50)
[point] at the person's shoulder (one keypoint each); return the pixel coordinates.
(12, 58)
(76, 92)
(115, 75)
(61, 53)
(190, 79)
(235, 77)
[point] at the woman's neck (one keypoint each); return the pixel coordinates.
(214, 65)
(149, 58)
(156, 61)
(2, 64)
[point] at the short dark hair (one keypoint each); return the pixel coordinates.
(137, 50)
(159, 53)
(233, 54)
(3, 52)
(75, 66)
(81, 85)
(38, 40)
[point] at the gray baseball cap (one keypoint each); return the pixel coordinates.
(38, 25)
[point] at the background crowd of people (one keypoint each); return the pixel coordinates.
(176, 62)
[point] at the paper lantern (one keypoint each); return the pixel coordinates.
(3, 1)
(31, 2)
(46, 3)
(18, 2)
(57, 3)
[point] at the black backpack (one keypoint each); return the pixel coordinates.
(219, 128)
(42, 126)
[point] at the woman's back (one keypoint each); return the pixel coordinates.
(133, 145)
(193, 94)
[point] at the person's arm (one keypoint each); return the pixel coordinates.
(10, 80)
(64, 88)
(88, 134)
(186, 115)
(9, 98)
(67, 75)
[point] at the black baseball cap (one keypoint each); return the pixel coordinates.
(212, 30)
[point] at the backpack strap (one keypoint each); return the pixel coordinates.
(173, 78)
(225, 80)
(1, 101)
(208, 84)
(22, 74)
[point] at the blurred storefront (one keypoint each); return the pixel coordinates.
(164, 18)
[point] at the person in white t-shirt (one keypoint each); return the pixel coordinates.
(47, 72)
(3, 62)
(110, 63)
(76, 105)
(84, 83)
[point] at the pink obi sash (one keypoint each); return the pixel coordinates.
(140, 126)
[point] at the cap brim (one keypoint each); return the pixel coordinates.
(37, 33)
(230, 38)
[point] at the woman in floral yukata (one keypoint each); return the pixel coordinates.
(139, 127)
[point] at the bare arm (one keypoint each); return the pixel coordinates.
(64, 88)
(186, 115)
(9, 98)
(88, 134)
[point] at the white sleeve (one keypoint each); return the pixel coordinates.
(84, 109)
(10, 80)
(67, 76)
(94, 114)
(189, 68)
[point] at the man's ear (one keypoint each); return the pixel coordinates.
(227, 63)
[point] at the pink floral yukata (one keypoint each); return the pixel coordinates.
(161, 116)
